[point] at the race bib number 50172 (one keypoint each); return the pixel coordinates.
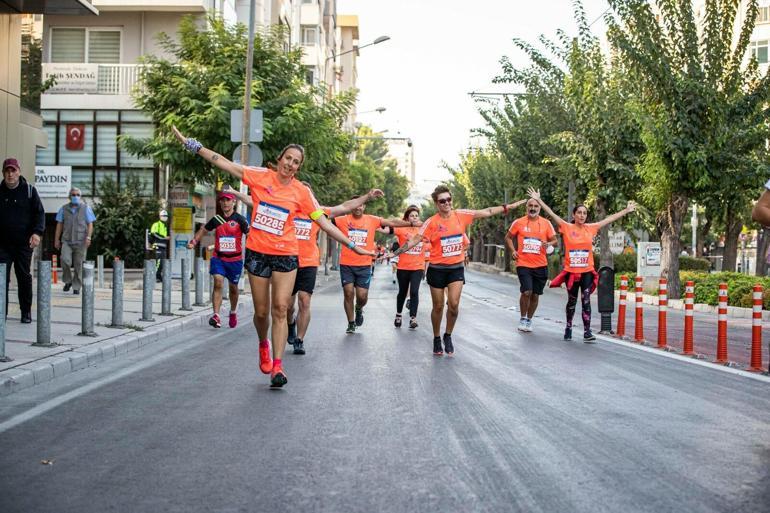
(270, 218)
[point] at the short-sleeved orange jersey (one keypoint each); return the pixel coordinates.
(578, 246)
(447, 237)
(307, 240)
(361, 232)
(531, 237)
(275, 206)
(414, 259)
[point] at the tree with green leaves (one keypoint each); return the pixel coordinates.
(700, 108)
(204, 80)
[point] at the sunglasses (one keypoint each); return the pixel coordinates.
(74, 194)
(444, 201)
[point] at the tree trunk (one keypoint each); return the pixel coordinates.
(670, 224)
(701, 237)
(763, 244)
(734, 225)
(605, 255)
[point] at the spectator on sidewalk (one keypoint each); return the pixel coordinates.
(22, 224)
(159, 240)
(74, 226)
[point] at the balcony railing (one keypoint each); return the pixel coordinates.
(79, 78)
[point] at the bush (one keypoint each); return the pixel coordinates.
(694, 264)
(122, 216)
(625, 263)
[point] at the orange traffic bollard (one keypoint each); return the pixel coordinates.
(639, 324)
(662, 305)
(54, 265)
(722, 325)
(756, 331)
(621, 331)
(689, 299)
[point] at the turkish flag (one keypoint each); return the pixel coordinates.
(76, 137)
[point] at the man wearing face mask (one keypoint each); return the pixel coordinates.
(159, 239)
(74, 227)
(535, 238)
(22, 223)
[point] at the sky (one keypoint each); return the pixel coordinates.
(439, 51)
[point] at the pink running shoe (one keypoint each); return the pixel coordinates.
(233, 319)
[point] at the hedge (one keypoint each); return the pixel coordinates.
(740, 287)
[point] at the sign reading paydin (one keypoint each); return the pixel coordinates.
(73, 78)
(53, 181)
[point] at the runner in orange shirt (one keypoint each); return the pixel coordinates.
(579, 273)
(271, 246)
(446, 273)
(356, 269)
(410, 268)
(309, 260)
(534, 239)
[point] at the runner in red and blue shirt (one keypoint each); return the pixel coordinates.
(227, 262)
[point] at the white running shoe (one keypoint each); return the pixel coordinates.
(522, 324)
(528, 328)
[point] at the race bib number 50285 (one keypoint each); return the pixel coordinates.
(270, 218)
(451, 245)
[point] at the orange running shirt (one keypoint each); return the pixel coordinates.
(447, 237)
(307, 240)
(531, 237)
(275, 205)
(578, 246)
(414, 259)
(361, 231)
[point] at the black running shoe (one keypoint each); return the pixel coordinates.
(589, 337)
(351, 327)
(359, 317)
(567, 333)
(448, 346)
(292, 333)
(412, 323)
(408, 303)
(299, 346)
(437, 350)
(397, 322)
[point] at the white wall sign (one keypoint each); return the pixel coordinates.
(648, 259)
(53, 181)
(73, 78)
(617, 242)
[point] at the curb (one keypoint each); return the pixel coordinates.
(736, 312)
(46, 369)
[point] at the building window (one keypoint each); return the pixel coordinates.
(308, 1)
(310, 75)
(759, 50)
(99, 46)
(309, 36)
(763, 15)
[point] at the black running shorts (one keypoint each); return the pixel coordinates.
(305, 280)
(441, 277)
(263, 265)
(532, 278)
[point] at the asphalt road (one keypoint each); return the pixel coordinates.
(375, 422)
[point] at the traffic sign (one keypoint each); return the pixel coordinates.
(255, 155)
(236, 125)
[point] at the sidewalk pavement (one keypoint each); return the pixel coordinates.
(33, 365)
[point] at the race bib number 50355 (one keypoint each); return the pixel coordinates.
(270, 218)
(227, 244)
(451, 245)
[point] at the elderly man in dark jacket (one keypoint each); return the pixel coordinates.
(22, 223)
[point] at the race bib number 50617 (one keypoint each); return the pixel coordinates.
(578, 258)
(270, 218)
(451, 245)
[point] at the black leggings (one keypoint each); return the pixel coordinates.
(408, 280)
(585, 283)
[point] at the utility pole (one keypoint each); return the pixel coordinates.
(247, 90)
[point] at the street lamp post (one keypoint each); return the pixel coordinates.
(334, 56)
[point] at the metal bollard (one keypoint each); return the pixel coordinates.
(756, 329)
(639, 323)
(662, 307)
(87, 309)
(3, 357)
(148, 284)
(118, 268)
(722, 325)
(621, 330)
(100, 270)
(689, 299)
(199, 282)
(165, 296)
(44, 305)
(186, 284)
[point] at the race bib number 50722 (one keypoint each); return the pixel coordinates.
(270, 218)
